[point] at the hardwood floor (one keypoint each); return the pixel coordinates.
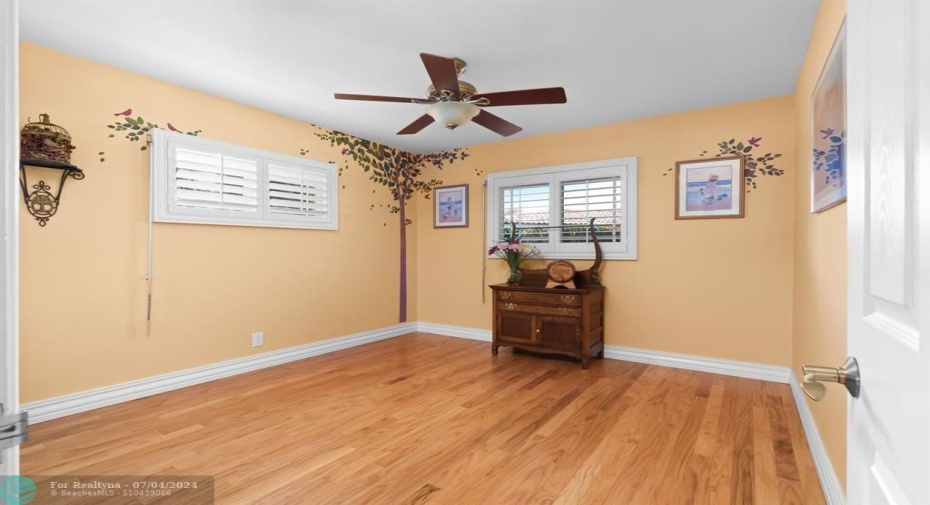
(426, 419)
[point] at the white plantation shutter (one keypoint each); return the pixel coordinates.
(202, 181)
(528, 208)
(297, 191)
(553, 207)
(214, 181)
(600, 199)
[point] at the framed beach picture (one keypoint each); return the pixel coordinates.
(828, 130)
(710, 188)
(450, 207)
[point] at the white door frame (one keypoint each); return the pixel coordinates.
(9, 219)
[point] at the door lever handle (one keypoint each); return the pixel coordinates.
(14, 429)
(815, 376)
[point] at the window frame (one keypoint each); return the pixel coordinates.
(554, 176)
(165, 209)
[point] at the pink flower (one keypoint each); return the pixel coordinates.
(514, 247)
(345, 151)
(492, 250)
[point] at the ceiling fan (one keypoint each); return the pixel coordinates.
(453, 102)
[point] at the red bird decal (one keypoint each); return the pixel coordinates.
(126, 112)
(172, 128)
(754, 142)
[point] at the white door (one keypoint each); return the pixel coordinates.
(888, 58)
(9, 228)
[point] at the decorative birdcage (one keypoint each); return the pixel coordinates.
(45, 141)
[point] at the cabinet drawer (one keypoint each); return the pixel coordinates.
(506, 307)
(556, 298)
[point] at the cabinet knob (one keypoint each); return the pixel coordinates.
(505, 295)
(568, 298)
(538, 330)
(510, 306)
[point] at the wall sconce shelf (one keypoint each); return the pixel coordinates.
(41, 202)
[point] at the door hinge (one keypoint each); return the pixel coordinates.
(14, 428)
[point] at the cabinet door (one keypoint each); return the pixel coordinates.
(559, 332)
(516, 327)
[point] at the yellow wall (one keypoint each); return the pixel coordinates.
(717, 287)
(769, 288)
(83, 275)
(819, 335)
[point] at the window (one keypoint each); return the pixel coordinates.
(195, 180)
(552, 207)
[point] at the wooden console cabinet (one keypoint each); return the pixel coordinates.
(552, 321)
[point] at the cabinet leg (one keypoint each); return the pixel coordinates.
(585, 363)
(494, 350)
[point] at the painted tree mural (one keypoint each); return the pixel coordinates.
(399, 171)
(137, 129)
(756, 164)
(831, 159)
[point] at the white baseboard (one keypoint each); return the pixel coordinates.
(732, 368)
(685, 361)
(67, 405)
(832, 490)
(455, 331)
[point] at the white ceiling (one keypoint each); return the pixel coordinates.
(617, 60)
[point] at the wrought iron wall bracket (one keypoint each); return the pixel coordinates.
(40, 202)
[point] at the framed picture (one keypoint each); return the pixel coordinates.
(450, 207)
(828, 130)
(710, 188)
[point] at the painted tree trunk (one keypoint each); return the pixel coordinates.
(403, 260)
(398, 171)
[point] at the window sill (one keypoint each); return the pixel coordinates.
(607, 256)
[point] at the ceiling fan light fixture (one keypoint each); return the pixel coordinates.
(453, 102)
(453, 114)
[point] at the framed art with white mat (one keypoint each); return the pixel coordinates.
(450, 207)
(710, 188)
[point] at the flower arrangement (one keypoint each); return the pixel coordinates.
(513, 252)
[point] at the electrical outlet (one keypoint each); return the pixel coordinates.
(258, 339)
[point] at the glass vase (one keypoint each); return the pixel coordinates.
(514, 278)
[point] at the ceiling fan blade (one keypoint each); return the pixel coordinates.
(421, 122)
(496, 124)
(442, 72)
(376, 98)
(524, 97)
